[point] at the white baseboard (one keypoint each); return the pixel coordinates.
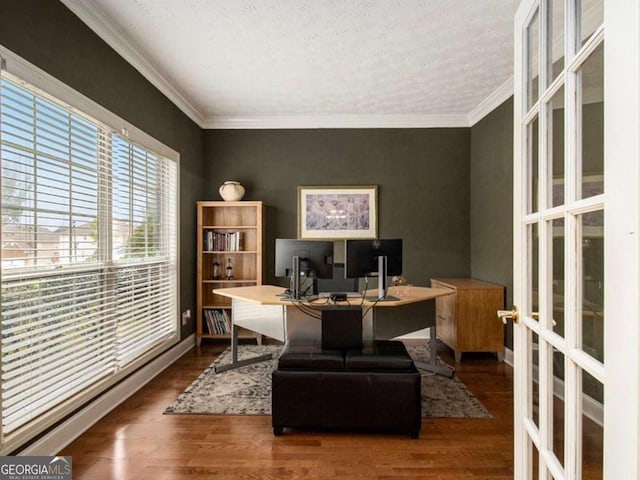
(55, 440)
(591, 408)
(508, 356)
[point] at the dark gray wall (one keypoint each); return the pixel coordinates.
(491, 206)
(50, 36)
(422, 176)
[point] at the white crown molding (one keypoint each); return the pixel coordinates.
(337, 121)
(95, 19)
(489, 104)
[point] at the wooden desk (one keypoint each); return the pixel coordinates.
(286, 319)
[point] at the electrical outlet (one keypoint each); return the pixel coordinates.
(186, 315)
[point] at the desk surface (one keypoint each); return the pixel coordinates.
(269, 295)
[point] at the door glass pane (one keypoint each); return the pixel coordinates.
(557, 272)
(591, 17)
(535, 461)
(556, 147)
(556, 38)
(533, 60)
(592, 431)
(591, 85)
(534, 403)
(592, 226)
(534, 282)
(532, 165)
(557, 406)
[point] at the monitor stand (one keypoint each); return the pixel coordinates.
(382, 283)
(295, 279)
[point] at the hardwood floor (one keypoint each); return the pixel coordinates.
(136, 441)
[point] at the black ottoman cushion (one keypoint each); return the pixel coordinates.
(379, 356)
(310, 356)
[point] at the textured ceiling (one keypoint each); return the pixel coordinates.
(241, 59)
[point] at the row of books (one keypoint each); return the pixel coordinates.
(223, 241)
(218, 321)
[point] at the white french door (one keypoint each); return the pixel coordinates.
(577, 239)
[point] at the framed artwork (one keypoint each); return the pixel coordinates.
(338, 212)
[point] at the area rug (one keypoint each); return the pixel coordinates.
(247, 390)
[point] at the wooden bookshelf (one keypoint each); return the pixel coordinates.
(226, 232)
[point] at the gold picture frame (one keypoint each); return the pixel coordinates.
(338, 212)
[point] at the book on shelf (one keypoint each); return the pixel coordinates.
(220, 325)
(227, 320)
(223, 241)
(217, 320)
(208, 316)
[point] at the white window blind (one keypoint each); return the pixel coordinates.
(144, 246)
(89, 256)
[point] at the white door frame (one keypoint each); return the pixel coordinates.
(621, 377)
(622, 239)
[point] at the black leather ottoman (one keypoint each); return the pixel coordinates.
(373, 388)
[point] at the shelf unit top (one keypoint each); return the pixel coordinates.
(229, 227)
(229, 251)
(222, 203)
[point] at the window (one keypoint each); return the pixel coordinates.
(89, 256)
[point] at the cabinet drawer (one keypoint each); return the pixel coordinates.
(466, 321)
(446, 307)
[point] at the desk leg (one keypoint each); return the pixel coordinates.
(432, 364)
(235, 363)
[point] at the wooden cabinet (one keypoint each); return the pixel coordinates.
(229, 250)
(467, 320)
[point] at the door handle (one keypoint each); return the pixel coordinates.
(505, 315)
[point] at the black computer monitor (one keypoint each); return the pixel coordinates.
(376, 258)
(311, 259)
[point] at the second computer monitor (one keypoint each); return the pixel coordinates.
(361, 257)
(380, 258)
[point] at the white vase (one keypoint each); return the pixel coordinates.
(231, 191)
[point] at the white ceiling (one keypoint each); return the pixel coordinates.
(316, 63)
